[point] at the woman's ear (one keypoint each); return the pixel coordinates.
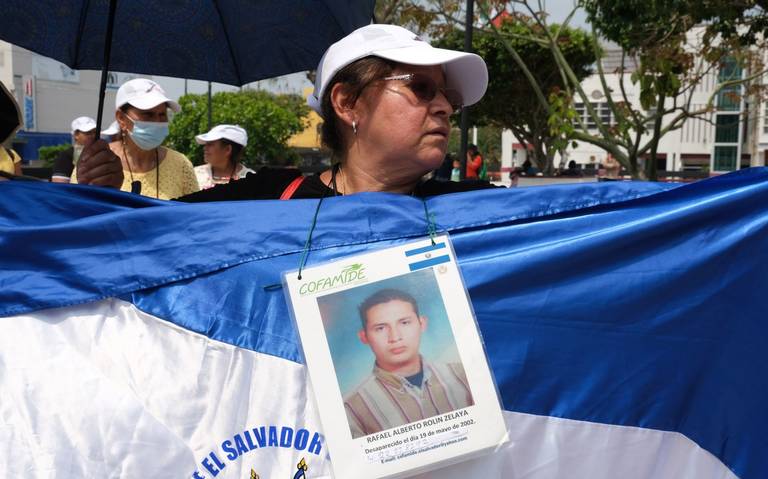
(122, 121)
(343, 102)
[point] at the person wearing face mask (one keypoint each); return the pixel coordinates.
(83, 133)
(148, 168)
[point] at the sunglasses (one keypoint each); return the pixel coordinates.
(425, 89)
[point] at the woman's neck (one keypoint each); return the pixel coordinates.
(140, 160)
(221, 171)
(357, 176)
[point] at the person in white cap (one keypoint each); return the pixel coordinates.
(83, 130)
(112, 132)
(223, 151)
(386, 97)
(149, 168)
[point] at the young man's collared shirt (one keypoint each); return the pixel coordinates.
(386, 400)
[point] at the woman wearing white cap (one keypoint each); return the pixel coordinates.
(386, 97)
(223, 150)
(83, 132)
(112, 132)
(148, 168)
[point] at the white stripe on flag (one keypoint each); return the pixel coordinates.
(105, 390)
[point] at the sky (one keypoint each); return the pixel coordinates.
(559, 9)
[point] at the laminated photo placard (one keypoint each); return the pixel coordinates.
(396, 361)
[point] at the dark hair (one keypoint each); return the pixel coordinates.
(237, 150)
(356, 76)
(473, 149)
(385, 296)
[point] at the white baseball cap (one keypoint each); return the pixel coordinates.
(233, 133)
(464, 72)
(83, 123)
(143, 94)
(112, 129)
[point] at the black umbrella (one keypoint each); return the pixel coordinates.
(226, 41)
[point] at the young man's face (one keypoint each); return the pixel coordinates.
(393, 331)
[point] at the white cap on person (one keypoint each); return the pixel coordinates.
(112, 129)
(83, 123)
(464, 72)
(233, 133)
(143, 94)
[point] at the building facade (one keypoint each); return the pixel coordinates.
(51, 95)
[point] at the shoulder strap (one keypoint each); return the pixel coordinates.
(291, 188)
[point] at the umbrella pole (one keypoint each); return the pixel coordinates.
(210, 107)
(105, 65)
(464, 125)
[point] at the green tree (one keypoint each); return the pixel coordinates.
(48, 154)
(510, 101)
(269, 120)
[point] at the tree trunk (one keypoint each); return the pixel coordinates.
(539, 157)
(651, 172)
(550, 162)
(634, 171)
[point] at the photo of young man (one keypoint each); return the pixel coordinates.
(403, 386)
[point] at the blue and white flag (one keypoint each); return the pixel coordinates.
(625, 324)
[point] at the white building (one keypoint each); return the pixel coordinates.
(733, 136)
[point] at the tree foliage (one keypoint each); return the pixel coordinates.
(643, 25)
(510, 101)
(47, 154)
(269, 120)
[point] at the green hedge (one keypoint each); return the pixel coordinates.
(49, 153)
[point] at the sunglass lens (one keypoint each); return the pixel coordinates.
(423, 87)
(454, 98)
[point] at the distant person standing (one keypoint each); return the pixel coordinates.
(112, 132)
(149, 168)
(223, 148)
(612, 168)
(83, 130)
(456, 171)
(444, 172)
(474, 162)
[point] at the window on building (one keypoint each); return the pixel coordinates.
(580, 110)
(603, 111)
(605, 114)
(727, 129)
(725, 158)
(729, 70)
(729, 98)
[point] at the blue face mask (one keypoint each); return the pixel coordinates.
(148, 135)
